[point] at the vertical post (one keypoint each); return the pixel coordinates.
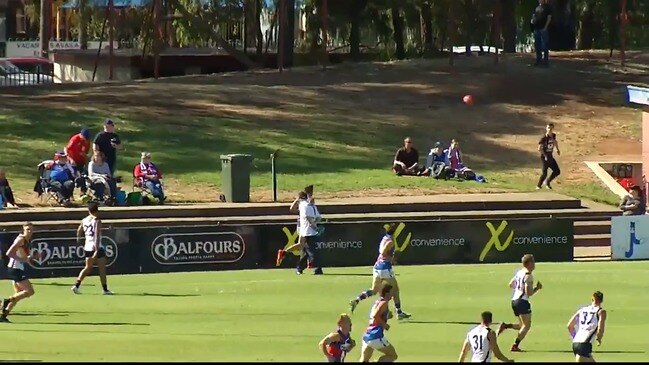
(58, 24)
(324, 16)
(645, 152)
(157, 20)
(111, 39)
(497, 41)
(451, 31)
(281, 38)
(45, 24)
(623, 22)
(273, 168)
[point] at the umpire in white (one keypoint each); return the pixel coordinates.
(309, 219)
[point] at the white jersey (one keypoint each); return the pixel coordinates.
(89, 224)
(20, 252)
(477, 338)
(587, 323)
(521, 279)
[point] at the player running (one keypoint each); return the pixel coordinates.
(301, 241)
(374, 338)
(383, 272)
(590, 322)
(336, 345)
(482, 341)
(18, 255)
(95, 252)
(522, 284)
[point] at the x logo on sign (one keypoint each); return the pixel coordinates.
(291, 239)
(494, 241)
(404, 244)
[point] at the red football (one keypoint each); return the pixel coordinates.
(468, 99)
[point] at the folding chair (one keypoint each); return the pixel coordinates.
(43, 188)
(137, 186)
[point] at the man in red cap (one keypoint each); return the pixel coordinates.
(78, 148)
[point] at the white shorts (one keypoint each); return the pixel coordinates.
(383, 274)
(377, 343)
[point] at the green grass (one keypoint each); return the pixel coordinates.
(188, 153)
(274, 315)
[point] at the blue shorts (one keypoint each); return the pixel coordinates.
(17, 275)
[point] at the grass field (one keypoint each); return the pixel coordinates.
(277, 316)
(339, 129)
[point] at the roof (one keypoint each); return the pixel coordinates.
(17, 60)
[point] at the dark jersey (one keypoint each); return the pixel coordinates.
(548, 143)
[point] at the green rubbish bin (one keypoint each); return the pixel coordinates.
(235, 177)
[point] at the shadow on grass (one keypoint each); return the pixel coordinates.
(157, 295)
(595, 352)
(90, 323)
(59, 284)
(44, 314)
(440, 322)
(347, 274)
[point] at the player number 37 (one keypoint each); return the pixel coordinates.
(587, 317)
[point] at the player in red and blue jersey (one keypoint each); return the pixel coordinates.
(374, 338)
(336, 345)
(382, 271)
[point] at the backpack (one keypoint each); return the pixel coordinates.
(437, 170)
(467, 174)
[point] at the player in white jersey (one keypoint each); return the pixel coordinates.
(90, 228)
(17, 256)
(590, 322)
(522, 285)
(382, 271)
(482, 341)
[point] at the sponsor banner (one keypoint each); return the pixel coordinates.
(32, 48)
(196, 248)
(501, 241)
(421, 243)
(630, 237)
(58, 254)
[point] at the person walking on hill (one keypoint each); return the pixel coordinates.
(547, 144)
(540, 21)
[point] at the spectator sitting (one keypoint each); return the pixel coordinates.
(406, 161)
(63, 177)
(147, 174)
(437, 154)
(99, 174)
(77, 149)
(5, 191)
(633, 204)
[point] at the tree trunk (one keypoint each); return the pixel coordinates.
(83, 24)
(586, 25)
(289, 34)
(427, 22)
(356, 8)
(397, 26)
(508, 24)
(260, 37)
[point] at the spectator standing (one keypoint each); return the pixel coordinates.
(108, 142)
(454, 155)
(540, 21)
(406, 160)
(633, 204)
(77, 149)
(99, 174)
(5, 191)
(148, 174)
(309, 219)
(547, 144)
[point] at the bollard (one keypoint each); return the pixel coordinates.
(273, 157)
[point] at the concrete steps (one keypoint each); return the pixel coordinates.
(425, 204)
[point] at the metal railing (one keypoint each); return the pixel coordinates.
(25, 79)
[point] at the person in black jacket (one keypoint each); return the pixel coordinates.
(547, 144)
(5, 191)
(540, 22)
